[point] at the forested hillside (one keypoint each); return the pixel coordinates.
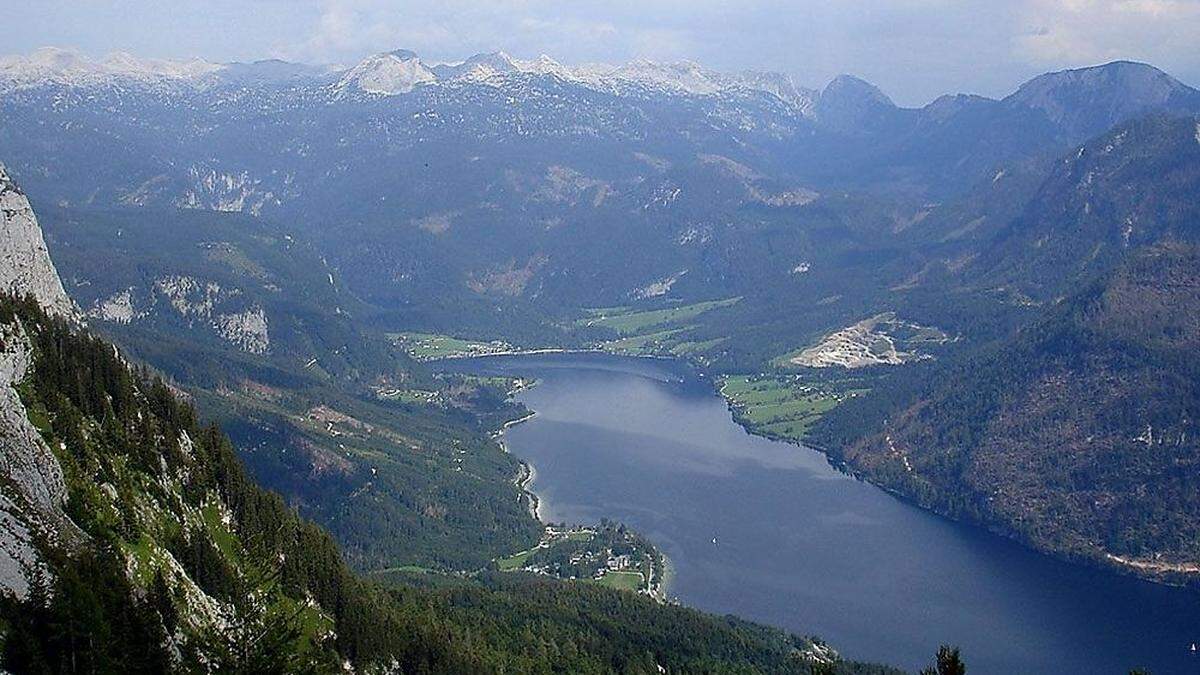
(395, 462)
(1076, 435)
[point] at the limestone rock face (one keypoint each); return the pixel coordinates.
(25, 266)
(32, 491)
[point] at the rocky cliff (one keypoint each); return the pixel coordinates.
(25, 266)
(32, 492)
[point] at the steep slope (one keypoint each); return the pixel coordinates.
(25, 267)
(408, 480)
(1133, 186)
(1073, 433)
(854, 106)
(231, 287)
(32, 492)
(1076, 436)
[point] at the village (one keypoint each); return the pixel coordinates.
(609, 555)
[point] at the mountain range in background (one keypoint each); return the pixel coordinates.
(1001, 284)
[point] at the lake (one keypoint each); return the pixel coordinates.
(805, 547)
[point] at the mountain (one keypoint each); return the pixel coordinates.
(33, 494)
(195, 135)
(479, 66)
(134, 541)
(247, 318)
(387, 74)
(852, 105)
(1132, 186)
(1068, 427)
(234, 287)
(1074, 435)
(509, 200)
(1086, 102)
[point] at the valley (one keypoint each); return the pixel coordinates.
(435, 357)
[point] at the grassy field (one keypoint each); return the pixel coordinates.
(623, 581)
(628, 322)
(646, 343)
(689, 347)
(515, 562)
(785, 406)
(431, 346)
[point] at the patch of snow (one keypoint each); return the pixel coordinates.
(683, 76)
(664, 196)
(188, 295)
(223, 191)
(693, 234)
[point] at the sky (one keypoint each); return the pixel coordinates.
(915, 50)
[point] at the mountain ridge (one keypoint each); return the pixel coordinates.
(65, 66)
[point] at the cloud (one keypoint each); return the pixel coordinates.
(913, 49)
(348, 29)
(1077, 32)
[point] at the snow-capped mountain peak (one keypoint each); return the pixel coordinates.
(685, 76)
(63, 66)
(395, 72)
(544, 65)
(497, 61)
(782, 86)
(391, 73)
(478, 67)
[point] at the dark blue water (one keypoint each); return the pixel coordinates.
(806, 548)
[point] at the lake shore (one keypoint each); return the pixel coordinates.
(658, 585)
(526, 473)
(1180, 575)
(800, 544)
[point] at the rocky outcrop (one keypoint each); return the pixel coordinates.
(25, 266)
(199, 300)
(245, 330)
(32, 491)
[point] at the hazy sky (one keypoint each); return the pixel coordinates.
(914, 49)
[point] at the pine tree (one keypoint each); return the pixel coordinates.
(948, 663)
